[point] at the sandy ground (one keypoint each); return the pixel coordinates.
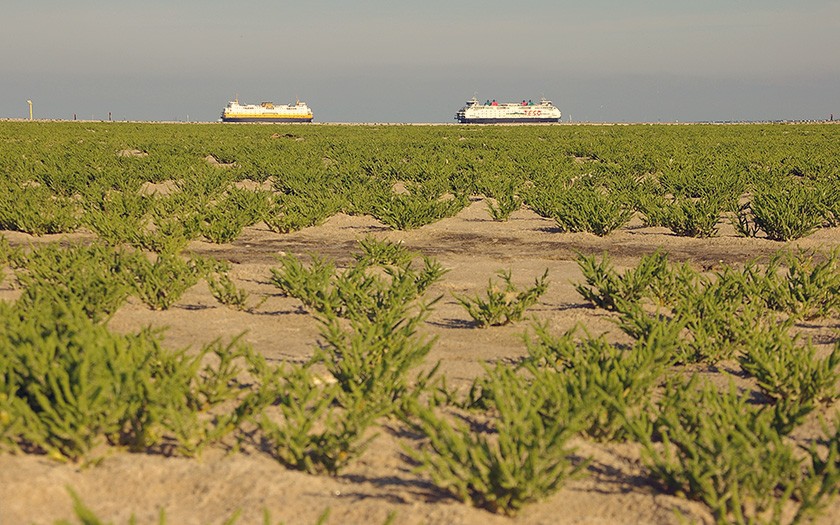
(209, 489)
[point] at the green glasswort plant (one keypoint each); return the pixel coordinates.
(221, 224)
(505, 304)
(95, 277)
(70, 384)
(503, 206)
(217, 275)
(118, 217)
(590, 210)
(711, 318)
(369, 316)
(36, 210)
(223, 221)
(160, 283)
(503, 195)
(701, 326)
(784, 211)
(621, 380)
(717, 449)
(693, 217)
(294, 211)
(789, 372)
(423, 205)
(312, 432)
(829, 202)
(383, 252)
(360, 291)
(523, 458)
(718, 324)
(176, 220)
(370, 359)
(605, 287)
(311, 285)
(810, 286)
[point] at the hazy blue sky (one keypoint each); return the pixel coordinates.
(392, 61)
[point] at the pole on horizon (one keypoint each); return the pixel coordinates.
(30, 108)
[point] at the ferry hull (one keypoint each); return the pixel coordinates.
(266, 119)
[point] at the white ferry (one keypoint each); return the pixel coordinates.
(492, 112)
(266, 112)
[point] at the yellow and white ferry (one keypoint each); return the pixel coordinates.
(266, 112)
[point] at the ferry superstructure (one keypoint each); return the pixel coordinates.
(266, 112)
(474, 112)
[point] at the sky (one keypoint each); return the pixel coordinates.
(396, 61)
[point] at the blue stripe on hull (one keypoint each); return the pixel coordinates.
(506, 120)
(271, 120)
